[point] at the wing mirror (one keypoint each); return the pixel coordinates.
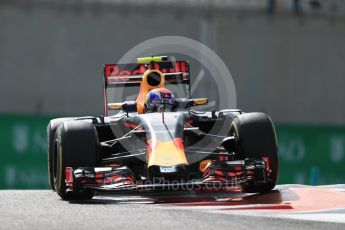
(184, 103)
(127, 106)
(198, 101)
(116, 106)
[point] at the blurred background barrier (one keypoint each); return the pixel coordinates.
(309, 154)
(23, 151)
(285, 63)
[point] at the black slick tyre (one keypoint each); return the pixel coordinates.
(255, 138)
(76, 145)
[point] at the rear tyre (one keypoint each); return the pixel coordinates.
(51, 130)
(256, 139)
(76, 145)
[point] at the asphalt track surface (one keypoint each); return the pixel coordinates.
(288, 207)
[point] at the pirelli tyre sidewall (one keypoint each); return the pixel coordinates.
(256, 138)
(51, 130)
(76, 145)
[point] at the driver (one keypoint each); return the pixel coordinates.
(159, 99)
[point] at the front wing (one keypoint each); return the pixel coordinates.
(218, 175)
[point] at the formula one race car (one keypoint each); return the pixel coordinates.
(158, 140)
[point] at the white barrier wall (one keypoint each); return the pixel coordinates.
(289, 66)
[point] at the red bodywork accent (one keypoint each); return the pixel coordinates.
(183, 66)
(130, 125)
(267, 160)
(227, 175)
(179, 143)
(111, 70)
(69, 177)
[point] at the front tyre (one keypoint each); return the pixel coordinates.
(76, 145)
(256, 139)
(51, 130)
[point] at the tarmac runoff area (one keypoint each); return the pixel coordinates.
(287, 207)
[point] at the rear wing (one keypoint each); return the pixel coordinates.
(129, 75)
(123, 75)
